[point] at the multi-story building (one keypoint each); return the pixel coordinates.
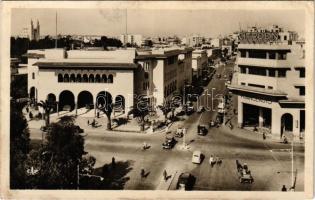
(35, 32)
(132, 39)
(199, 62)
(77, 78)
(165, 73)
(193, 40)
(270, 82)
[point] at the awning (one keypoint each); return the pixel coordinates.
(262, 91)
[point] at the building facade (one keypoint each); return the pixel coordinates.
(199, 62)
(35, 31)
(123, 77)
(270, 82)
(132, 39)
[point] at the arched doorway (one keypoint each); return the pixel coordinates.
(85, 99)
(286, 123)
(104, 100)
(119, 103)
(66, 100)
(51, 98)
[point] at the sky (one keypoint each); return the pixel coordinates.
(153, 22)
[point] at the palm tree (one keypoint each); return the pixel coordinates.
(140, 114)
(47, 106)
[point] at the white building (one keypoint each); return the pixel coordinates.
(270, 83)
(193, 40)
(78, 78)
(132, 39)
(199, 62)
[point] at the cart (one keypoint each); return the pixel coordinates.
(244, 173)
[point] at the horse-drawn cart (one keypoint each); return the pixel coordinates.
(244, 173)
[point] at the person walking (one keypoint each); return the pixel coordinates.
(113, 163)
(264, 135)
(88, 122)
(284, 189)
(142, 173)
(165, 175)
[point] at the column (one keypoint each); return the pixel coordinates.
(277, 56)
(276, 123)
(261, 117)
(240, 112)
(247, 70)
(267, 72)
(267, 55)
(76, 108)
(57, 108)
(95, 109)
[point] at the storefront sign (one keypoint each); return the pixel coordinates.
(258, 37)
(256, 100)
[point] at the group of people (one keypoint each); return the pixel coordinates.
(214, 160)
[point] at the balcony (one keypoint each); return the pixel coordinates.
(262, 91)
(257, 62)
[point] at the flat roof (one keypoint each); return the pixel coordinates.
(83, 65)
(256, 90)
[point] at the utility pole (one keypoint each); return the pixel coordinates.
(56, 33)
(292, 165)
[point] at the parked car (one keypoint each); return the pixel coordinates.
(196, 157)
(169, 142)
(185, 181)
(202, 130)
(218, 75)
(179, 132)
(201, 109)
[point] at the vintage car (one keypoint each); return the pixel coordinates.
(185, 181)
(169, 142)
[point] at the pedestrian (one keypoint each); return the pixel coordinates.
(113, 163)
(27, 109)
(98, 114)
(211, 161)
(142, 173)
(264, 135)
(284, 189)
(165, 175)
(88, 122)
(31, 115)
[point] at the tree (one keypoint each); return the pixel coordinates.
(19, 87)
(60, 157)
(140, 112)
(105, 104)
(47, 106)
(19, 146)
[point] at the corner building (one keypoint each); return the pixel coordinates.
(271, 82)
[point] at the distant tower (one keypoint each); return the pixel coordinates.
(35, 32)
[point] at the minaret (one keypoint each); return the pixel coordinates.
(32, 30)
(37, 31)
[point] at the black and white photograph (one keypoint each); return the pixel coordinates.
(183, 98)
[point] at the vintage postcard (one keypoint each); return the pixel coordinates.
(157, 100)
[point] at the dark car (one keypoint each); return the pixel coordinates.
(202, 130)
(185, 181)
(218, 75)
(169, 142)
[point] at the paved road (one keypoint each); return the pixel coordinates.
(270, 169)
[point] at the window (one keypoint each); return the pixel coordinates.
(285, 37)
(257, 71)
(171, 60)
(33, 75)
(270, 87)
(146, 66)
(272, 55)
(257, 54)
(282, 56)
(256, 85)
(242, 83)
(302, 72)
(272, 72)
(302, 91)
(243, 69)
(60, 78)
(282, 73)
(110, 78)
(146, 75)
(243, 54)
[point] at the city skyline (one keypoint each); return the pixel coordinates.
(154, 22)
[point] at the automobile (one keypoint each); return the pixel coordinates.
(43, 128)
(224, 76)
(79, 129)
(196, 157)
(212, 123)
(202, 130)
(190, 107)
(228, 82)
(201, 109)
(221, 107)
(179, 132)
(218, 75)
(169, 142)
(185, 181)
